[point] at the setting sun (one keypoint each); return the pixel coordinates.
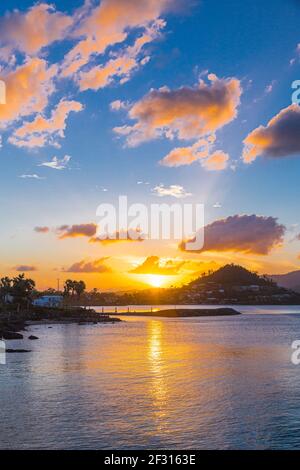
(156, 280)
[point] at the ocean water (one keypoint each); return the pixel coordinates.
(154, 383)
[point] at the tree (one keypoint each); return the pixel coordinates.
(69, 288)
(79, 288)
(22, 289)
(74, 287)
(5, 287)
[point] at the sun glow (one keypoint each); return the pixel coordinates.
(155, 280)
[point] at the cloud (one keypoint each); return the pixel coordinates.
(28, 88)
(24, 268)
(180, 156)
(42, 131)
(269, 88)
(132, 235)
(186, 113)
(88, 267)
(57, 164)
(250, 234)
(201, 151)
(30, 32)
(174, 190)
(109, 24)
(80, 230)
(216, 161)
(34, 177)
(280, 138)
(154, 265)
(41, 229)
(117, 105)
(121, 65)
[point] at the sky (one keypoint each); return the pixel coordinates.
(164, 101)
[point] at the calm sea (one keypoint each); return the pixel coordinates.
(147, 383)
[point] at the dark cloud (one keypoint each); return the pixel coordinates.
(24, 268)
(280, 138)
(96, 266)
(80, 230)
(242, 233)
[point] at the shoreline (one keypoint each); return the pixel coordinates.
(13, 324)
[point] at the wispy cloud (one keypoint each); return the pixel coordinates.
(174, 190)
(57, 164)
(33, 176)
(41, 229)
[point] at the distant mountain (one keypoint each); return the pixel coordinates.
(289, 281)
(233, 275)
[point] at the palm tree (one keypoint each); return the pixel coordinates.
(79, 288)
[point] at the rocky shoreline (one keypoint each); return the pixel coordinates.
(13, 324)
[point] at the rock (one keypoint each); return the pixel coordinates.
(32, 337)
(17, 351)
(10, 335)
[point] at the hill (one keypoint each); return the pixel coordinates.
(233, 275)
(233, 284)
(289, 281)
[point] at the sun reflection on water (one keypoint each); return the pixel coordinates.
(159, 387)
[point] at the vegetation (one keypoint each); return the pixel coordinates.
(19, 288)
(74, 288)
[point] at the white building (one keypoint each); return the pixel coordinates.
(49, 301)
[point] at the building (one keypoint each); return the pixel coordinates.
(49, 301)
(9, 299)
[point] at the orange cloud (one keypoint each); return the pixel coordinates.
(185, 113)
(109, 24)
(30, 32)
(216, 161)
(28, 88)
(120, 66)
(250, 234)
(42, 131)
(154, 265)
(187, 155)
(280, 138)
